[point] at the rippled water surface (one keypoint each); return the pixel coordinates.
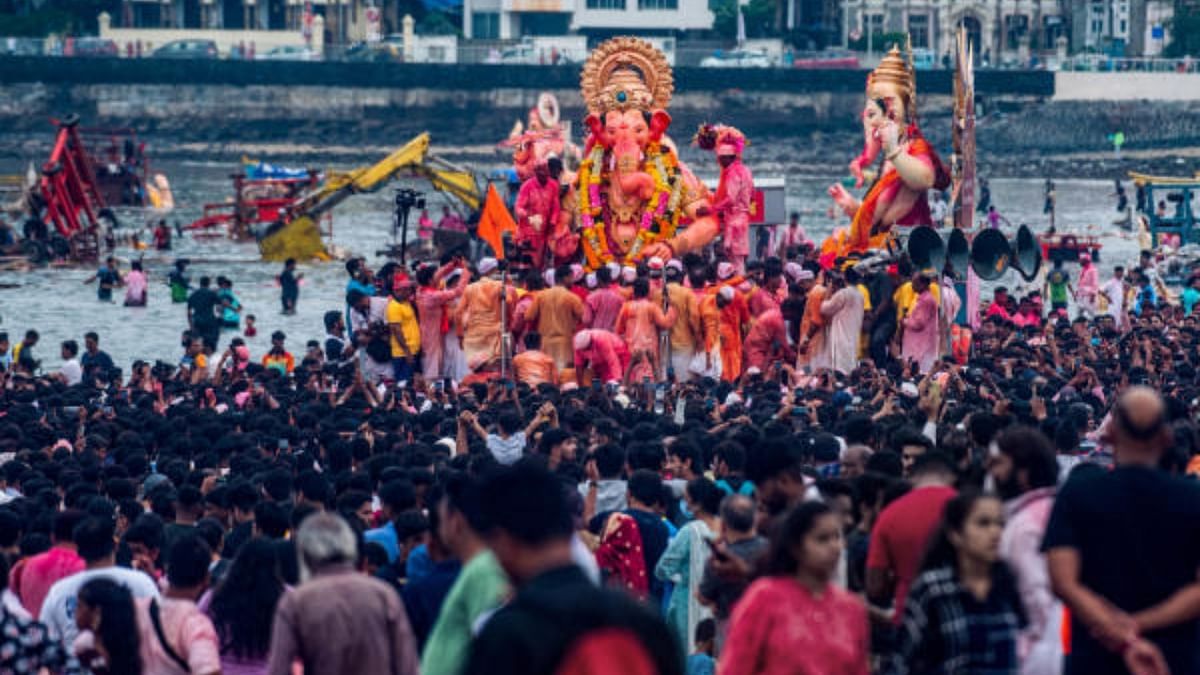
(60, 307)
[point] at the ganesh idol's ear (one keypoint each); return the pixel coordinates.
(596, 126)
(659, 121)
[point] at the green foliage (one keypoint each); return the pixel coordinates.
(63, 17)
(37, 24)
(759, 16)
(1185, 31)
(439, 23)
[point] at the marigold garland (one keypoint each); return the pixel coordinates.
(660, 214)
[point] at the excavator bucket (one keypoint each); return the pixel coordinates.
(299, 239)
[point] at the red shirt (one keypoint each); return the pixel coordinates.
(33, 579)
(901, 535)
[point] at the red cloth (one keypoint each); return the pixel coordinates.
(762, 301)
(780, 628)
(536, 199)
(767, 340)
(607, 354)
(33, 579)
(733, 201)
(603, 307)
(888, 184)
(901, 535)
(608, 651)
(620, 556)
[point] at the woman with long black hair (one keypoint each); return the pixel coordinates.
(105, 608)
(795, 619)
(243, 606)
(963, 612)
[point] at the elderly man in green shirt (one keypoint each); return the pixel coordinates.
(480, 588)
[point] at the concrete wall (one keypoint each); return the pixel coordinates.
(1083, 86)
(471, 78)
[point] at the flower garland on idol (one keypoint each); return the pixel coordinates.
(660, 214)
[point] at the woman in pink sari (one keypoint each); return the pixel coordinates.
(795, 620)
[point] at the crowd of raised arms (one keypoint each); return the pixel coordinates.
(803, 466)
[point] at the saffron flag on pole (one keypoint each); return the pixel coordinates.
(494, 221)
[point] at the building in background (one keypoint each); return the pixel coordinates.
(1003, 31)
(510, 19)
(1010, 32)
(344, 20)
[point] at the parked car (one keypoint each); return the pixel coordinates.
(289, 53)
(372, 53)
(187, 49)
(15, 46)
(94, 47)
(738, 58)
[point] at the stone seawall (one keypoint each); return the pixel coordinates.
(797, 119)
(273, 101)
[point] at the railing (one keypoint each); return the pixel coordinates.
(1109, 64)
(524, 52)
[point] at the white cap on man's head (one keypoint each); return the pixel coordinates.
(488, 265)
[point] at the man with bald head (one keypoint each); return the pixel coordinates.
(738, 540)
(854, 461)
(1123, 550)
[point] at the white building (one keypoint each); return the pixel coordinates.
(1002, 30)
(509, 19)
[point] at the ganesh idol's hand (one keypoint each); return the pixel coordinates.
(889, 137)
(697, 235)
(845, 201)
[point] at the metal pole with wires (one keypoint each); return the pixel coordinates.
(406, 199)
(505, 338)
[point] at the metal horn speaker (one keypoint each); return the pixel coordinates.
(1027, 254)
(926, 250)
(958, 252)
(990, 255)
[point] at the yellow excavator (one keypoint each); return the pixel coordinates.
(299, 236)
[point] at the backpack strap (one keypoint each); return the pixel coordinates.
(162, 638)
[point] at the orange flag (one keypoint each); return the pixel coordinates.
(494, 221)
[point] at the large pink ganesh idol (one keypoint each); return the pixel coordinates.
(633, 192)
(910, 169)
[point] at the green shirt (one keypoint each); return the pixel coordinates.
(480, 588)
(1058, 286)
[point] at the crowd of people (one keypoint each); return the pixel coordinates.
(805, 467)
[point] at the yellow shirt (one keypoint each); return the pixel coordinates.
(905, 298)
(402, 313)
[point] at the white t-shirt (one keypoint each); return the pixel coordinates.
(1114, 290)
(72, 371)
(58, 610)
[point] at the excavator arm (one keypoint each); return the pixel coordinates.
(300, 237)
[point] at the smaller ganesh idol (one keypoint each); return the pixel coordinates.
(633, 192)
(909, 170)
(734, 200)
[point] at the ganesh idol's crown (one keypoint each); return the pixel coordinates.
(626, 73)
(893, 74)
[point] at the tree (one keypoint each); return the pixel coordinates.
(1184, 29)
(758, 14)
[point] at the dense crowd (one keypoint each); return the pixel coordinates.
(805, 466)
